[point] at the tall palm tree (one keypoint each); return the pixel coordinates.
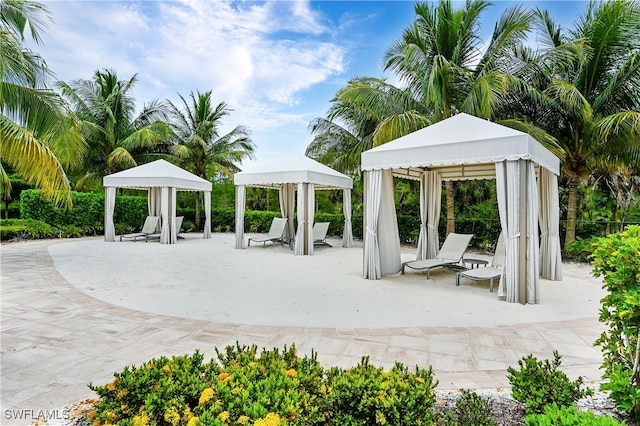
(444, 70)
(591, 107)
(114, 133)
(199, 144)
(37, 136)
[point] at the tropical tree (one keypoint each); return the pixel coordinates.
(444, 69)
(117, 138)
(37, 136)
(591, 107)
(200, 146)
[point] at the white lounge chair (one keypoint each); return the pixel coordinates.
(450, 254)
(275, 232)
(179, 220)
(320, 230)
(149, 229)
(489, 272)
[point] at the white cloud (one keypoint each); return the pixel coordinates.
(260, 58)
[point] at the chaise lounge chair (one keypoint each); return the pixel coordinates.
(489, 272)
(275, 232)
(450, 254)
(320, 230)
(149, 229)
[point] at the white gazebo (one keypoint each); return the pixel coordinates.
(287, 175)
(161, 180)
(464, 147)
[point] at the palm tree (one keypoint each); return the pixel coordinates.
(444, 70)
(37, 136)
(200, 146)
(591, 107)
(114, 133)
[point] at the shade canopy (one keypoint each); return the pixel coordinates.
(289, 174)
(161, 179)
(297, 169)
(465, 147)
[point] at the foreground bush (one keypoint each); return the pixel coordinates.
(617, 259)
(568, 416)
(540, 383)
(25, 229)
(244, 387)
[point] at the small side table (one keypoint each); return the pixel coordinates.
(475, 263)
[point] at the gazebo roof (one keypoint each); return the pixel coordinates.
(159, 173)
(461, 147)
(299, 169)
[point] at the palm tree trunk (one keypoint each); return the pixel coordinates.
(572, 209)
(198, 219)
(451, 217)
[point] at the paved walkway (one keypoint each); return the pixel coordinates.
(55, 339)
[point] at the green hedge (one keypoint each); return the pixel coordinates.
(130, 211)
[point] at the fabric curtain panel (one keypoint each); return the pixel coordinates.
(371, 255)
(154, 200)
(109, 207)
(533, 248)
(241, 195)
(421, 252)
(388, 235)
(430, 196)
(173, 232)
(164, 217)
(287, 196)
(347, 233)
(434, 183)
(508, 192)
(311, 201)
(302, 217)
(550, 251)
(207, 215)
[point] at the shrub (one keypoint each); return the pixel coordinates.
(539, 383)
(366, 395)
(275, 387)
(472, 409)
(25, 229)
(568, 416)
(581, 250)
(617, 259)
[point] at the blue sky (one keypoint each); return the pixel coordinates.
(277, 64)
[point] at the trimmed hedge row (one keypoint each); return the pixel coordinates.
(87, 216)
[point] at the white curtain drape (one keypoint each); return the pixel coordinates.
(550, 251)
(347, 233)
(371, 255)
(508, 192)
(421, 252)
(533, 248)
(388, 235)
(154, 200)
(430, 196)
(241, 195)
(207, 215)
(509, 176)
(287, 196)
(109, 207)
(173, 232)
(304, 235)
(164, 216)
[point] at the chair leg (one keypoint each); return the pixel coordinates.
(491, 286)
(458, 279)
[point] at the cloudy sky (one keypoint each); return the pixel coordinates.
(276, 63)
